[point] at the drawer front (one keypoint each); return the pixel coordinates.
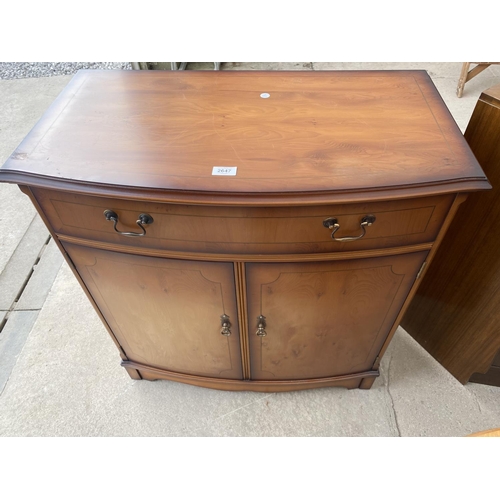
(247, 230)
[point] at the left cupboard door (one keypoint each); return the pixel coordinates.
(166, 313)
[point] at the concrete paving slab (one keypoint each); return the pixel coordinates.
(41, 281)
(488, 401)
(462, 108)
(319, 412)
(168, 408)
(16, 214)
(22, 104)
(283, 66)
(495, 69)
(428, 400)
(21, 263)
(12, 339)
(433, 68)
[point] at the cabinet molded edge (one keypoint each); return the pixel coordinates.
(351, 381)
(272, 199)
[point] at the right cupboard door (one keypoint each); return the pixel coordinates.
(323, 319)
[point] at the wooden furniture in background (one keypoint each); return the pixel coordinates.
(466, 75)
(455, 313)
(291, 267)
(488, 433)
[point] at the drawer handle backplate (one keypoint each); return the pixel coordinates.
(332, 223)
(144, 219)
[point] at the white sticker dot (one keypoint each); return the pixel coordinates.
(265, 95)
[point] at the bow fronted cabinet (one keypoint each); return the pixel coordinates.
(248, 230)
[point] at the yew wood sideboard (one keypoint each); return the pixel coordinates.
(455, 314)
(256, 231)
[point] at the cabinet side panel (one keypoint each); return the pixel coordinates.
(29, 192)
(454, 314)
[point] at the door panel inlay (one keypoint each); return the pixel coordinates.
(166, 313)
(324, 319)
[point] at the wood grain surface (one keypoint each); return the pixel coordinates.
(328, 131)
(323, 144)
(166, 313)
(351, 381)
(324, 319)
(454, 314)
(226, 230)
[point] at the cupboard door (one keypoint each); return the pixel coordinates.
(324, 319)
(166, 313)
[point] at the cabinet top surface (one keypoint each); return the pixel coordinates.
(161, 132)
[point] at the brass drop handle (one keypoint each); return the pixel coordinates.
(333, 224)
(261, 325)
(143, 220)
(224, 320)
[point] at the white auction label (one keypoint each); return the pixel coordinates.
(224, 170)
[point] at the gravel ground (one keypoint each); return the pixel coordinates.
(13, 70)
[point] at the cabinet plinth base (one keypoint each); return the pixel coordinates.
(352, 381)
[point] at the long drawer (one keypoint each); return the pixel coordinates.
(247, 230)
